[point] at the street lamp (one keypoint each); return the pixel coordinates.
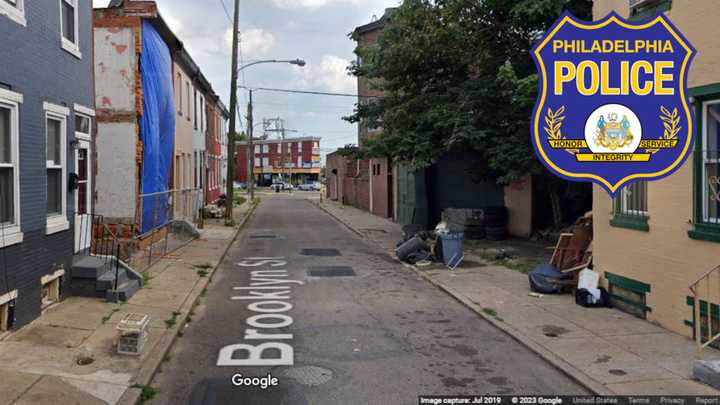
(251, 148)
(297, 62)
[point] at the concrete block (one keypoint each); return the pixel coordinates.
(708, 372)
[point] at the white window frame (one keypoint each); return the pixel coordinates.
(58, 223)
(71, 47)
(88, 113)
(16, 13)
(705, 161)
(9, 99)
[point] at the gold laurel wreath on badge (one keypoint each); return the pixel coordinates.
(554, 121)
(671, 123)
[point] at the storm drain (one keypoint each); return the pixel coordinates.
(320, 252)
(309, 375)
(331, 271)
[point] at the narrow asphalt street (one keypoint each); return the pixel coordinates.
(380, 336)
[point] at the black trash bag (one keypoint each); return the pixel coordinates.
(585, 299)
(541, 278)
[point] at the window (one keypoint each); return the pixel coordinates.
(195, 111)
(257, 162)
(710, 189)
(707, 174)
(631, 207)
(180, 94)
(69, 26)
(9, 168)
(56, 167)
(83, 122)
(14, 9)
(187, 100)
(266, 148)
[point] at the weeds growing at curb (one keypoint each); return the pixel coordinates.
(147, 394)
(202, 273)
(146, 279)
(167, 357)
(107, 317)
(490, 311)
(173, 320)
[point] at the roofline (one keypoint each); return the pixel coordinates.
(288, 140)
(175, 45)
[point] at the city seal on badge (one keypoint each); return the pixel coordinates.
(612, 103)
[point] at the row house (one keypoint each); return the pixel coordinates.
(157, 118)
(659, 241)
(296, 160)
(46, 148)
(216, 141)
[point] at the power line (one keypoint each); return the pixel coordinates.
(317, 93)
(227, 13)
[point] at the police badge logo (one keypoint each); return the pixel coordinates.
(612, 104)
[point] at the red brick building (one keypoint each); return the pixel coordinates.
(217, 116)
(366, 184)
(297, 160)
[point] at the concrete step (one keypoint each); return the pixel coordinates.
(89, 267)
(107, 280)
(124, 292)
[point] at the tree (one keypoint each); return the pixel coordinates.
(457, 75)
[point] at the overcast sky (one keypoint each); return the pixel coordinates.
(315, 30)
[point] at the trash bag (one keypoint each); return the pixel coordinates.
(584, 298)
(414, 245)
(541, 278)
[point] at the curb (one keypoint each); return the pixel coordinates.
(153, 362)
(566, 368)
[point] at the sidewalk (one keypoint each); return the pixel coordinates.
(67, 356)
(606, 350)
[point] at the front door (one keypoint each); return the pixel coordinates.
(83, 198)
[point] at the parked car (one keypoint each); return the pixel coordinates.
(281, 186)
(239, 186)
(314, 186)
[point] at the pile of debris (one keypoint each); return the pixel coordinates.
(444, 245)
(570, 268)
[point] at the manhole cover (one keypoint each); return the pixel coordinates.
(309, 375)
(320, 252)
(331, 271)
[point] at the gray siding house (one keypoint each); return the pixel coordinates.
(46, 121)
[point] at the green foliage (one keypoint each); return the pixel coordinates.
(457, 75)
(147, 394)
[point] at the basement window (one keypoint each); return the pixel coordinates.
(628, 295)
(51, 292)
(7, 310)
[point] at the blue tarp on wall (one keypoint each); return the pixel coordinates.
(157, 128)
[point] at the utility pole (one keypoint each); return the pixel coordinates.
(230, 192)
(251, 149)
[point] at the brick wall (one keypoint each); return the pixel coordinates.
(34, 64)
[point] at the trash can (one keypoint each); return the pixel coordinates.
(452, 247)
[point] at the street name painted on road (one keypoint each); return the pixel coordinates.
(269, 291)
